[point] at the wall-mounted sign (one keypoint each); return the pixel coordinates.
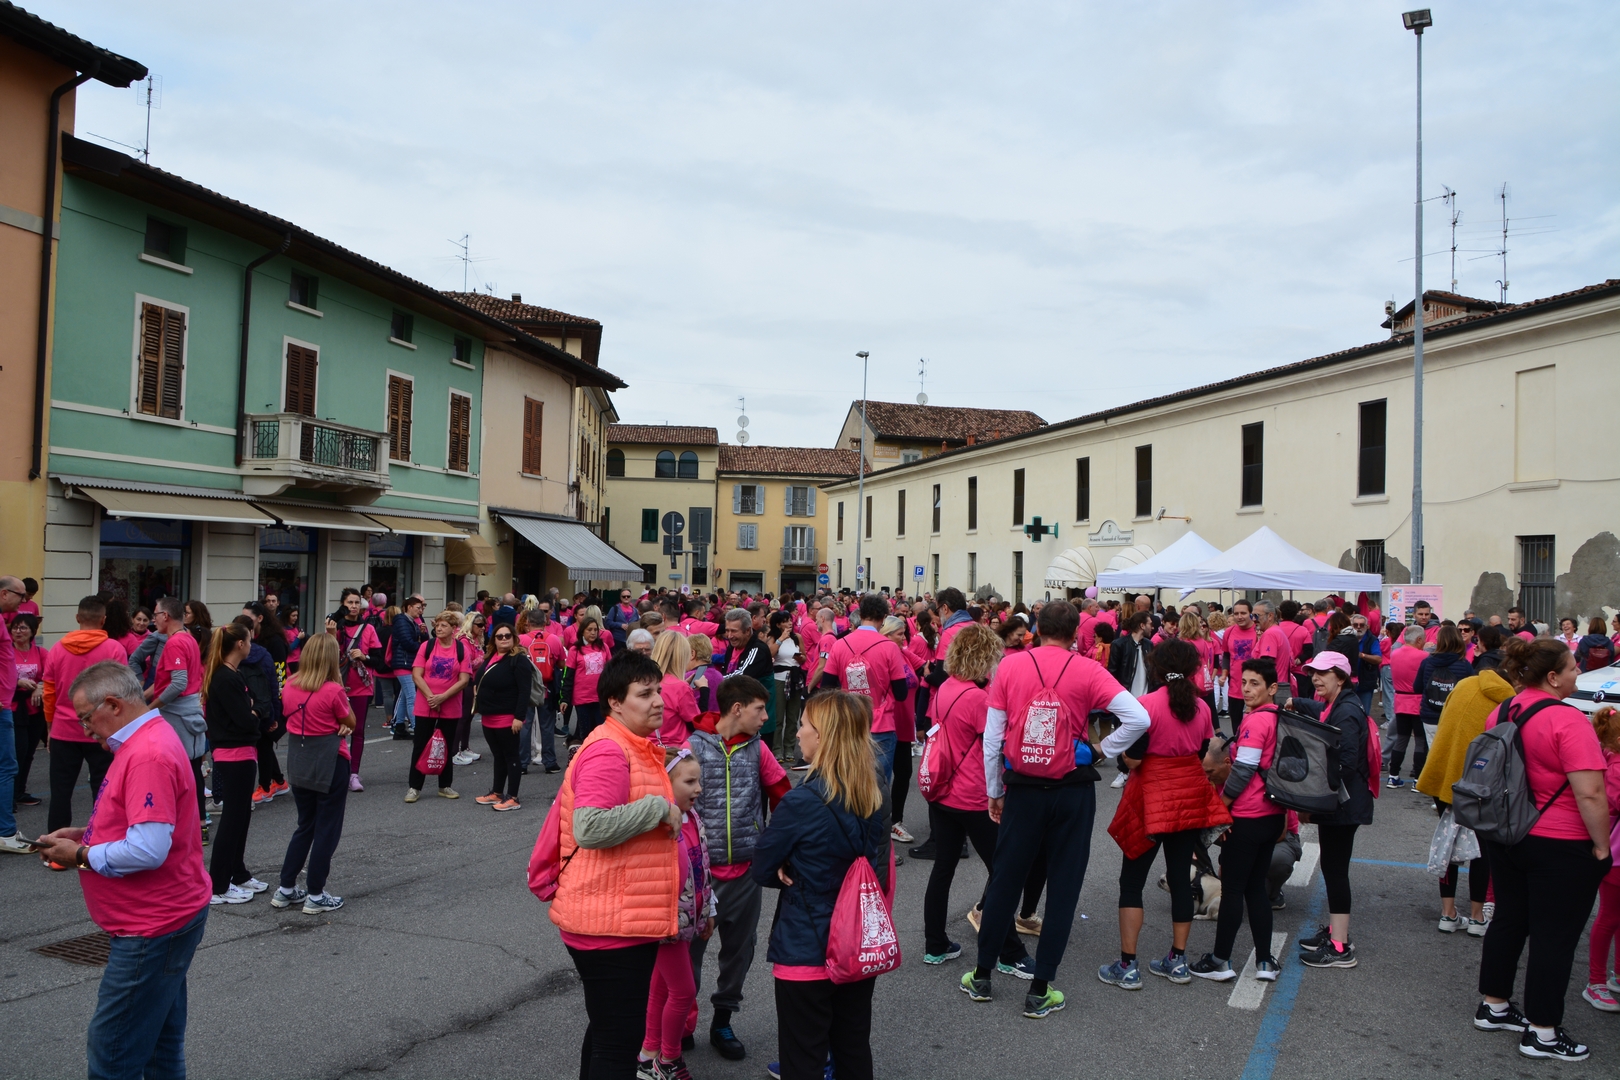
(1110, 535)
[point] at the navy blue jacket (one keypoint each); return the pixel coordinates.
(815, 843)
(1447, 667)
(404, 642)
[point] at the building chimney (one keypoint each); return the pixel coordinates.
(970, 439)
(517, 298)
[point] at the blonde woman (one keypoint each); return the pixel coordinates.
(444, 665)
(1191, 630)
(315, 704)
(816, 831)
(673, 655)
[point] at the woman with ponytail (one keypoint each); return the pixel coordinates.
(1168, 801)
(233, 731)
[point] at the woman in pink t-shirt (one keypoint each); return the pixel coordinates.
(27, 705)
(1257, 825)
(358, 646)
(586, 658)
(444, 664)
(672, 652)
(1546, 883)
(314, 704)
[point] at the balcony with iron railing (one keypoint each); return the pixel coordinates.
(286, 450)
(799, 555)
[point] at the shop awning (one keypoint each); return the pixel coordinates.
(469, 554)
(142, 504)
(409, 526)
(576, 547)
(320, 517)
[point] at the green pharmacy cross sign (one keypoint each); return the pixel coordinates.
(1035, 530)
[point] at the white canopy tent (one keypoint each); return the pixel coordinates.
(1266, 561)
(1190, 550)
(1072, 569)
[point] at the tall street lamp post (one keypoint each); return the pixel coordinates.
(1417, 22)
(860, 494)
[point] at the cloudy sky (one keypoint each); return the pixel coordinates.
(1062, 206)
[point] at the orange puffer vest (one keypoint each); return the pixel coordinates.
(629, 890)
(1165, 795)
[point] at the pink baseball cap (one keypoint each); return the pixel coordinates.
(1330, 661)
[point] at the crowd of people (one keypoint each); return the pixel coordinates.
(718, 746)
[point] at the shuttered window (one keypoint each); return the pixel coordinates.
(533, 411)
(399, 418)
(162, 361)
(300, 397)
(460, 432)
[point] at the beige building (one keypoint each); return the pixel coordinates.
(898, 434)
(37, 60)
(1520, 495)
(653, 469)
(771, 532)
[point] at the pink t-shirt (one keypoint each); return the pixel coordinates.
(1204, 678)
(1171, 736)
(1558, 740)
(62, 666)
(1082, 684)
(363, 637)
(865, 662)
(1403, 671)
(1238, 646)
(321, 713)
(600, 776)
(587, 663)
(236, 753)
(440, 670)
(680, 709)
(960, 707)
(130, 642)
(180, 653)
(1086, 636)
(149, 780)
(1275, 644)
(1259, 729)
(30, 666)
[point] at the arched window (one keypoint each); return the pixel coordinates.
(666, 464)
(615, 463)
(688, 465)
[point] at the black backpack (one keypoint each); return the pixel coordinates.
(1439, 688)
(1304, 775)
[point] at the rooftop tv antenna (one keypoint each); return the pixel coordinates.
(1456, 216)
(464, 244)
(742, 421)
(1503, 282)
(151, 96)
(922, 381)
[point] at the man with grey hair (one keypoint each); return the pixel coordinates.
(1403, 666)
(640, 640)
(1273, 640)
(749, 655)
(143, 877)
(12, 594)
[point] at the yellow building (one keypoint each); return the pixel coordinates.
(772, 521)
(39, 69)
(651, 470)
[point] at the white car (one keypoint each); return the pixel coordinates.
(1595, 689)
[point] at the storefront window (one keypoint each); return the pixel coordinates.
(144, 559)
(285, 558)
(390, 566)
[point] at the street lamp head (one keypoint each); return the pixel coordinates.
(1415, 21)
(863, 355)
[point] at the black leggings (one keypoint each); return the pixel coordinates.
(1338, 842)
(947, 826)
(1178, 850)
(269, 765)
(233, 787)
(815, 1018)
(29, 732)
(68, 758)
(1244, 862)
(1479, 879)
(506, 764)
(616, 983)
(902, 779)
(425, 727)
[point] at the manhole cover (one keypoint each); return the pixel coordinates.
(90, 950)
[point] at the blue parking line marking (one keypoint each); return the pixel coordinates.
(1263, 1057)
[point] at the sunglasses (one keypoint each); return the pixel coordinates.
(503, 637)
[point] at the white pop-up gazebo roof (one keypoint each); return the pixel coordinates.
(1266, 561)
(1190, 550)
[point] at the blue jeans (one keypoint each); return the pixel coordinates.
(885, 754)
(538, 724)
(405, 702)
(139, 1028)
(1366, 697)
(8, 773)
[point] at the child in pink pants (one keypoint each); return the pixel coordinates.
(1602, 992)
(673, 994)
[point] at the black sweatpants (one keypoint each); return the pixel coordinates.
(948, 826)
(506, 764)
(425, 727)
(1544, 894)
(1178, 852)
(28, 730)
(1059, 818)
(1479, 878)
(813, 1018)
(617, 982)
(320, 827)
(1338, 843)
(1245, 860)
(233, 787)
(901, 784)
(68, 757)
(269, 764)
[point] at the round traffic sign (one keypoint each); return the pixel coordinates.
(822, 569)
(823, 579)
(860, 572)
(674, 522)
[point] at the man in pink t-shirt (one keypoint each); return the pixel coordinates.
(177, 680)
(71, 748)
(867, 663)
(140, 857)
(1273, 641)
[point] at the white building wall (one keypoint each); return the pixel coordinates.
(226, 567)
(71, 550)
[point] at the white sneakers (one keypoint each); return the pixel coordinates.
(465, 757)
(233, 894)
(15, 844)
(899, 835)
(1119, 781)
(411, 794)
(1450, 924)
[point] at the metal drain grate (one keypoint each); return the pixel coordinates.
(91, 950)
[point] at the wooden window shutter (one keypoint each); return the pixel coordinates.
(163, 341)
(174, 348)
(300, 380)
(533, 412)
(151, 360)
(460, 432)
(399, 418)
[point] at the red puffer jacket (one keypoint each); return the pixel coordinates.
(1165, 795)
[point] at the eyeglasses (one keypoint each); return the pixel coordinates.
(15, 592)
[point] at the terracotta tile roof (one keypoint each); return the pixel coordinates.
(69, 50)
(894, 420)
(515, 311)
(788, 460)
(663, 433)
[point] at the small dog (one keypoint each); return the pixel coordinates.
(1206, 894)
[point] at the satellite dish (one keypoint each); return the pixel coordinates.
(742, 421)
(922, 399)
(742, 437)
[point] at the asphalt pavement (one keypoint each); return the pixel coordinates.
(442, 964)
